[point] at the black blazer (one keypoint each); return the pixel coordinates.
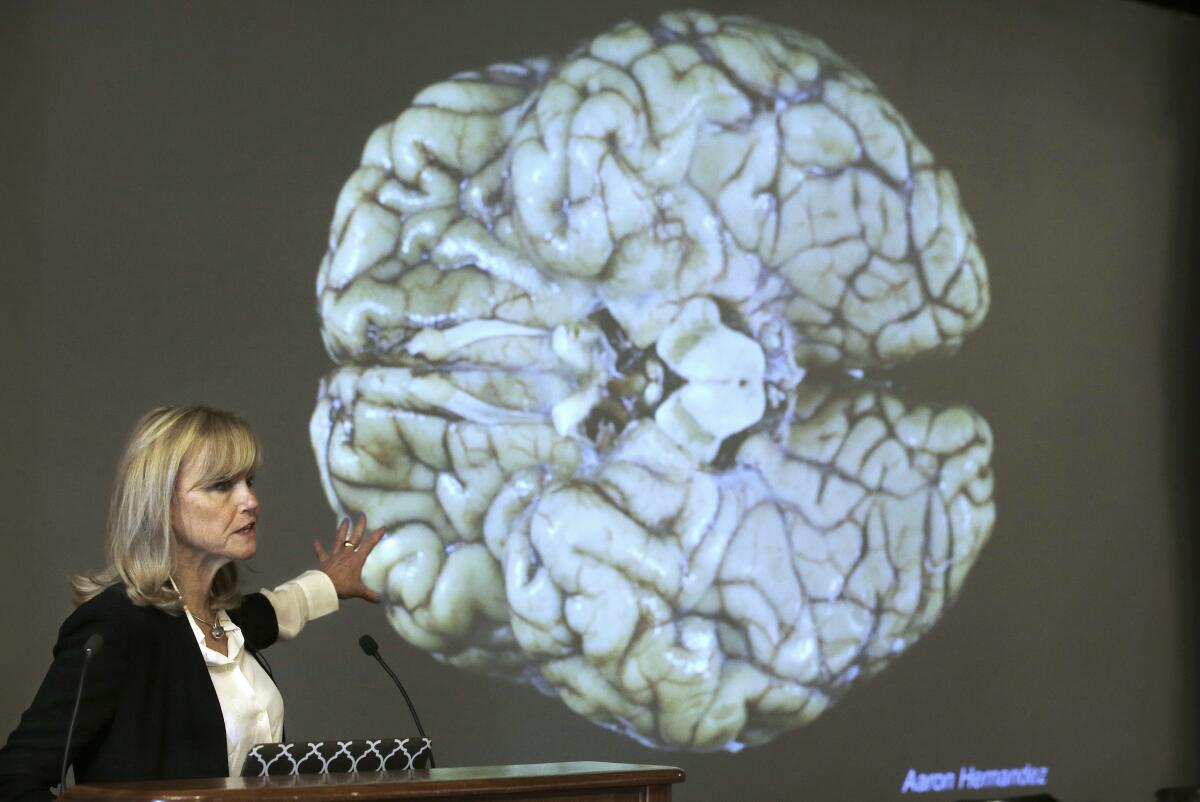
(149, 710)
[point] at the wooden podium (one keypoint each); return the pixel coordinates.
(543, 782)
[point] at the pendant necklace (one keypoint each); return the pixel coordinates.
(218, 631)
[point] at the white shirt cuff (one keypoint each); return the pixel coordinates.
(306, 598)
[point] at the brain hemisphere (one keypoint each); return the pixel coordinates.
(594, 318)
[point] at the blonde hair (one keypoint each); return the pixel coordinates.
(141, 544)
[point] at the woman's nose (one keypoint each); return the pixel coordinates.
(249, 500)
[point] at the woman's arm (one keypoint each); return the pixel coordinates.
(307, 597)
(314, 593)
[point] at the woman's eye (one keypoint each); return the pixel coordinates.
(249, 481)
(224, 485)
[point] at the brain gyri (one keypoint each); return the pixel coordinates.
(600, 324)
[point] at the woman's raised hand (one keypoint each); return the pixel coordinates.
(343, 563)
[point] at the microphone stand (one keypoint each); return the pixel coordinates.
(90, 648)
(371, 649)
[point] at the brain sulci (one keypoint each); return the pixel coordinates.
(605, 328)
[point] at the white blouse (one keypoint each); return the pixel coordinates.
(250, 702)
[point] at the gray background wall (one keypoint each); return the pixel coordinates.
(168, 176)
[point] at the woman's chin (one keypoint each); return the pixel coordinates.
(248, 548)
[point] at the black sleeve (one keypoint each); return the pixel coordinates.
(256, 618)
(31, 760)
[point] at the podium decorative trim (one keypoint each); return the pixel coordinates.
(335, 757)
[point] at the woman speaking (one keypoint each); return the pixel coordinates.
(179, 688)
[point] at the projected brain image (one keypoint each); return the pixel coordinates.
(607, 331)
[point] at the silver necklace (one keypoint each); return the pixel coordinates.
(218, 631)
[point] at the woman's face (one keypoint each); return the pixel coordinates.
(214, 519)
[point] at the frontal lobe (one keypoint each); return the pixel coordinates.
(591, 315)
(728, 158)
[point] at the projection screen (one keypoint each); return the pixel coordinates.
(793, 393)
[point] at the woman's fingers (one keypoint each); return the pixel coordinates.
(347, 538)
(364, 550)
(344, 562)
(370, 542)
(350, 537)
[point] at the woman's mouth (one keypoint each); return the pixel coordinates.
(248, 529)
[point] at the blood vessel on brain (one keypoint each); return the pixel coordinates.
(593, 319)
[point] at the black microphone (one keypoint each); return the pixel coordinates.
(93, 645)
(371, 649)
